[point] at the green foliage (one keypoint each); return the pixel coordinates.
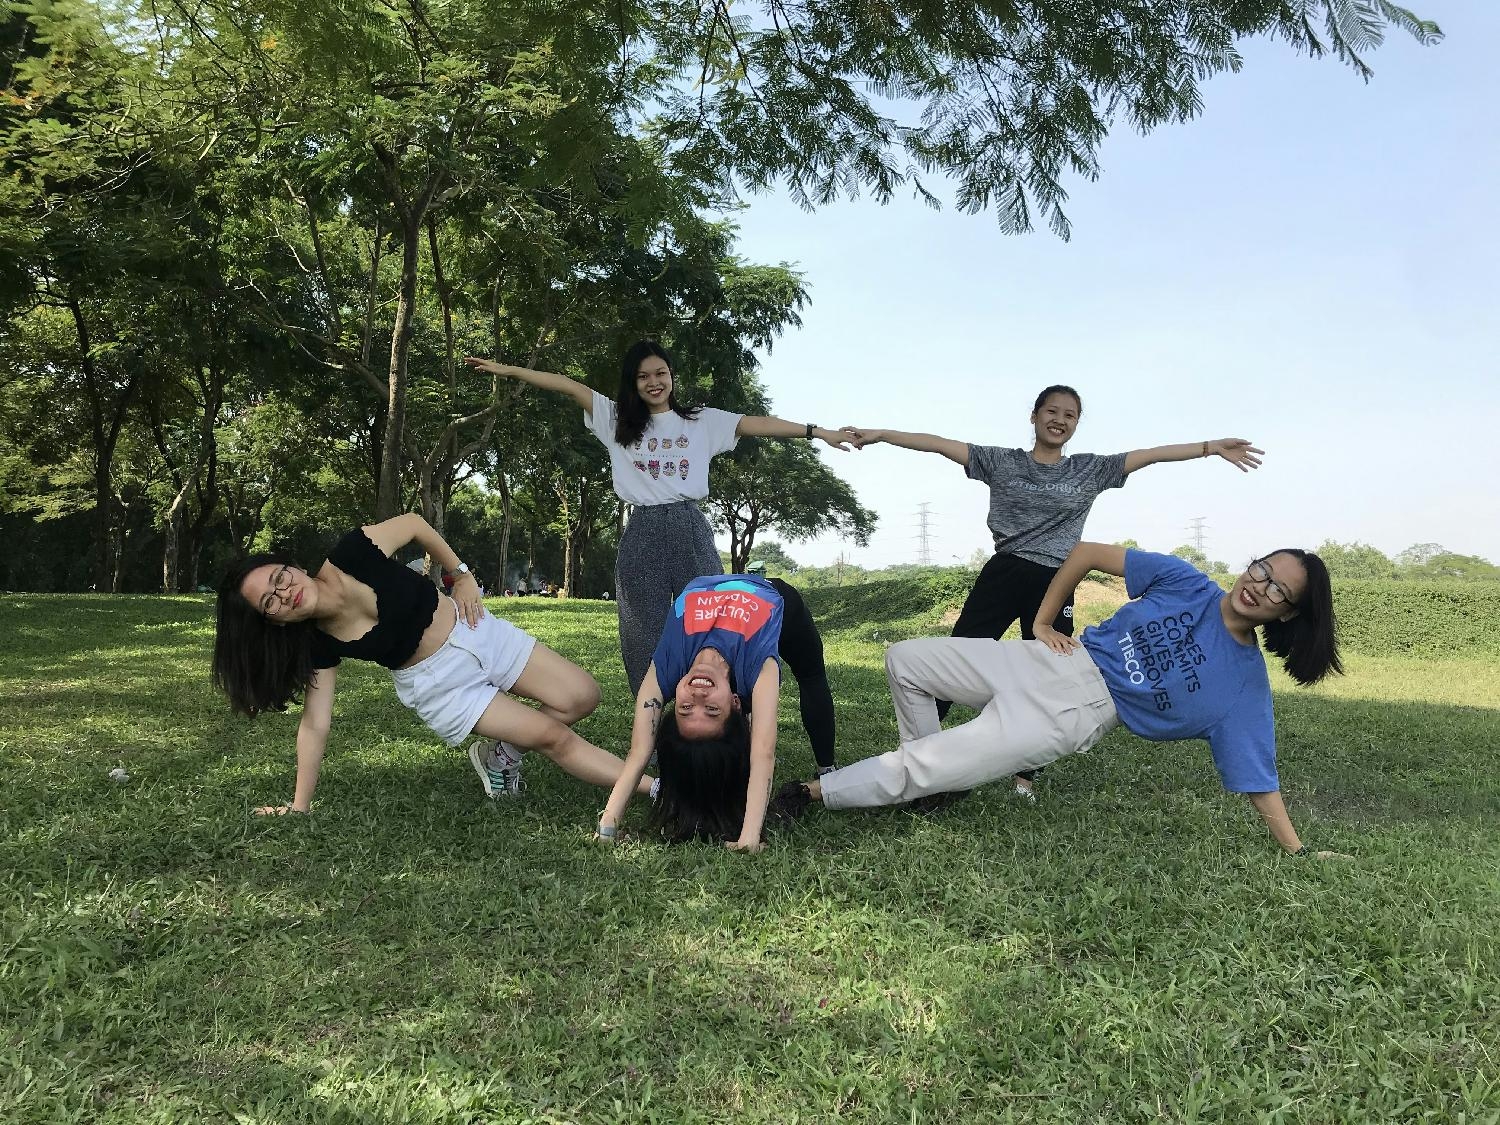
(1355, 560)
(207, 207)
(1420, 561)
(782, 485)
(779, 564)
(837, 99)
(1200, 560)
(1431, 618)
(1449, 565)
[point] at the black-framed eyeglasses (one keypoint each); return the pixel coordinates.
(1275, 592)
(281, 578)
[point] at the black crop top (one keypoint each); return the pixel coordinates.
(405, 602)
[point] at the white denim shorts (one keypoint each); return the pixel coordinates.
(451, 688)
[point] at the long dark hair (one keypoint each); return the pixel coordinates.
(703, 782)
(1308, 642)
(631, 412)
(1057, 389)
(259, 665)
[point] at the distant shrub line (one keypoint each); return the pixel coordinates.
(1377, 617)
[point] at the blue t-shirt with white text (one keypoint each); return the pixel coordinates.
(736, 615)
(1174, 671)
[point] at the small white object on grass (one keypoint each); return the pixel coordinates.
(119, 774)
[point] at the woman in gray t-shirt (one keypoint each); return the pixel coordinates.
(1039, 500)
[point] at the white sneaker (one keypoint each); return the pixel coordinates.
(498, 765)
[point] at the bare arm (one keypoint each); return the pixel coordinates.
(956, 451)
(312, 740)
(1081, 559)
(1237, 451)
(1273, 812)
(546, 380)
(398, 531)
(648, 709)
(765, 699)
(763, 425)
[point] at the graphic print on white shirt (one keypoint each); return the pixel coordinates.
(670, 461)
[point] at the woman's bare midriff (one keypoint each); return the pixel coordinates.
(362, 610)
(444, 620)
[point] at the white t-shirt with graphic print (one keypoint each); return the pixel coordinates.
(670, 462)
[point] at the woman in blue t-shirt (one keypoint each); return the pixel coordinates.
(1039, 500)
(707, 709)
(1178, 661)
(282, 631)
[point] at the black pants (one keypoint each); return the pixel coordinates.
(802, 649)
(1008, 589)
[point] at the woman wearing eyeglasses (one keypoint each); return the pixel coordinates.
(1039, 500)
(1178, 661)
(282, 631)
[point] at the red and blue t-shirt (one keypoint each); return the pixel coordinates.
(736, 615)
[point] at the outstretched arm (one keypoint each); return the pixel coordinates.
(956, 451)
(648, 705)
(765, 698)
(1237, 451)
(395, 533)
(1081, 559)
(312, 740)
(763, 425)
(547, 380)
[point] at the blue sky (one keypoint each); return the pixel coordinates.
(1312, 264)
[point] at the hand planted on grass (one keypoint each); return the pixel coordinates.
(278, 810)
(1057, 642)
(745, 845)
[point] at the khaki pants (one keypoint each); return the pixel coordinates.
(1034, 705)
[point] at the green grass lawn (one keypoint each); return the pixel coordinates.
(1133, 949)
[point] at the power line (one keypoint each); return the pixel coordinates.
(924, 536)
(1197, 528)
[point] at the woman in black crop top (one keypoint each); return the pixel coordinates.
(282, 631)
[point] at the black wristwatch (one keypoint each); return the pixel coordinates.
(810, 428)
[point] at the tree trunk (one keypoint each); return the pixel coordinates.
(502, 565)
(104, 537)
(171, 553)
(740, 544)
(432, 513)
(117, 572)
(106, 420)
(388, 497)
